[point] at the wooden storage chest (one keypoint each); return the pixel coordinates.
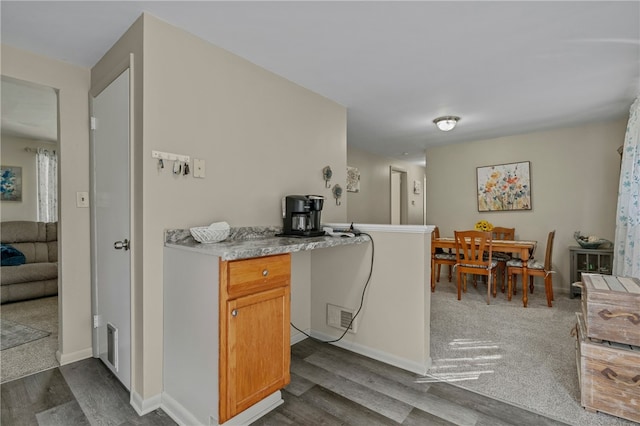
(609, 375)
(611, 308)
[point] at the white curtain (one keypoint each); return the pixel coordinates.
(626, 254)
(47, 166)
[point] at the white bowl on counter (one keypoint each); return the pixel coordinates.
(214, 233)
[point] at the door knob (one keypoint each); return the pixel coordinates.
(119, 245)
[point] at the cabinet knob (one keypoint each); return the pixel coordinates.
(265, 272)
(234, 313)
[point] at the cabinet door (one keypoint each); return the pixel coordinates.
(605, 263)
(257, 349)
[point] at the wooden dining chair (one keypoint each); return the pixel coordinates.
(501, 233)
(534, 269)
(514, 289)
(439, 257)
(471, 248)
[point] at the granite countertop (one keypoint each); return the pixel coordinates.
(247, 242)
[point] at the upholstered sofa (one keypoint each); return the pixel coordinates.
(30, 251)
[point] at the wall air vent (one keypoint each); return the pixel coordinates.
(341, 318)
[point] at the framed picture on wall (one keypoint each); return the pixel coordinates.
(353, 179)
(504, 187)
(10, 183)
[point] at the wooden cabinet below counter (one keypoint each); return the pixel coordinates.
(226, 336)
(254, 331)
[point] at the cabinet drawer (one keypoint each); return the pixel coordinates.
(247, 276)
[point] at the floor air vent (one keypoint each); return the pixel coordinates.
(112, 345)
(341, 318)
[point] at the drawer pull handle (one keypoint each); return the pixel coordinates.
(574, 331)
(612, 375)
(265, 272)
(606, 315)
(234, 313)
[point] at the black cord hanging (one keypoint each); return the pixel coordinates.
(364, 290)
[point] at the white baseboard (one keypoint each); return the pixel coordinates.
(298, 337)
(387, 358)
(177, 412)
(256, 411)
(68, 358)
(183, 417)
(144, 406)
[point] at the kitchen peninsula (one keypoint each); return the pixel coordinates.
(213, 294)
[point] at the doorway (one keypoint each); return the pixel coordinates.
(110, 230)
(398, 196)
(29, 130)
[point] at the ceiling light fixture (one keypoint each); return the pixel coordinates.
(446, 123)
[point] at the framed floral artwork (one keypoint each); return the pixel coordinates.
(10, 183)
(353, 179)
(504, 187)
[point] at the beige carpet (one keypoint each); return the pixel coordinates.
(35, 356)
(502, 350)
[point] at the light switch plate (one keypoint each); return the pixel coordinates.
(82, 199)
(198, 168)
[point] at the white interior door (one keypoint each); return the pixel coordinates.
(111, 259)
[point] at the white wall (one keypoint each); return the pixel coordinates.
(574, 186)
(13, 154)
(300, 294)
(261, 136)
(373, 203)
(74, 286)
(394, 323)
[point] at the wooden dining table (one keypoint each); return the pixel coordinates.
(522, 248)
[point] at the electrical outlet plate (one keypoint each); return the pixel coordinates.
(82, 199)
(198, 168)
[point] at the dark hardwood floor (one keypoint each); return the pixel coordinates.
(329, 386)
(333, 386)
(78, 394)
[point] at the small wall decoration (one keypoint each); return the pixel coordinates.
(353, 179)
(504, 187)
(10, 183)
(326, 175)
(337, 194)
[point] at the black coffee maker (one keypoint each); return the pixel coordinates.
(301, 215)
